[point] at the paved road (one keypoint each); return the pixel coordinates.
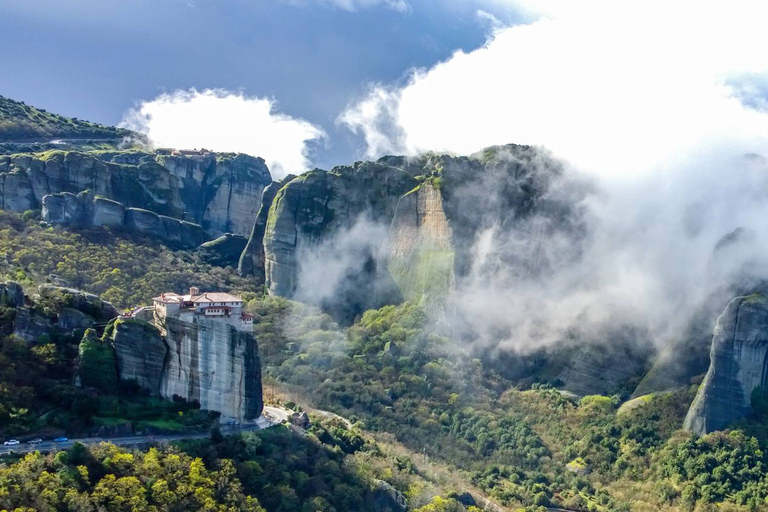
(270, 417)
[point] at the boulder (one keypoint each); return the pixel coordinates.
(178, 233)
(71, 319)
(738, 364)
(87, 303)
(385, 498)
(11, 295)
(64, 209)
(300, 419)
(29, 325)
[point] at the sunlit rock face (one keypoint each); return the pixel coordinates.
(322, 218)
(140, 353)
(738, 356)
(211, 362)
(220, 192)
(87, 210)
(251, 260)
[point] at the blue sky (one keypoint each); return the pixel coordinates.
(94, 59)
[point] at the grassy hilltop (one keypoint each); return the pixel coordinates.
(19, 122)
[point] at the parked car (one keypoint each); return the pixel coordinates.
(60, 440)
(11, 442)
(36, 440)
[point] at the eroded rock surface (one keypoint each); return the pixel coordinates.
(252, 258)
(220, 192)
(88, 210)
(738, 356)
(140, 352)
(339, 216)
(213, 363)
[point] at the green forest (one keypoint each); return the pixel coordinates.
(427, 417)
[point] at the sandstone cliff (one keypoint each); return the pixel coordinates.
(739, 356)
(252, 258)
(211, 362)
(140, 352)
(88, 210)
(222, 193)
(329, 216)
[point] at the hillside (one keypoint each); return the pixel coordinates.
(22, 122)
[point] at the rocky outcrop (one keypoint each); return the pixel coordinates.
(225, 251)
(140, 353)
(178, 233)
(420, 251)
(338, 216)
(11, 295)
(88, 210)
(222, 193)
(739, 359)
(252, 258)
(88, 303)
(213, 363)
(385, 498)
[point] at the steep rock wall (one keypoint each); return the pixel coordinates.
(87, 210)
(140, 353)
(420, 251)
(738, 356)
(213, 363)
(222, 193)
(251, 261)
(317, 210)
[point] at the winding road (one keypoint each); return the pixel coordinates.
(270, 417)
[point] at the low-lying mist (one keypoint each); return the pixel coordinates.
(658, 114)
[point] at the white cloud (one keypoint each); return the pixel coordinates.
(654, 104)
(226, 121)
(607, 85)
(355, 5)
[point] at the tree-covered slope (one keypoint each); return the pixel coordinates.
(19, 121)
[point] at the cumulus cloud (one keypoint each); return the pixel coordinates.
(659, 107)
(226, 121)
(611, 86)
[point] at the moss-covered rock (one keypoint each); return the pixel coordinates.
(224, 251)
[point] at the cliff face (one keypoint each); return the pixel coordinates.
(87, 210)
(213, 363)
(314, 215)
(221, 193)
(140, 352)
(420, 254)
(252, 258)
(739, 356)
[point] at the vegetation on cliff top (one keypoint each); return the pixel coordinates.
(123, 268)
(19, 121)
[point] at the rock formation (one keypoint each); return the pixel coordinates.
(739, 356)
(87, 210)
(140, 353)
(213, 363)
(420, 251)
(311, 217)
(225, 251)
(222, 193)
(252, 259)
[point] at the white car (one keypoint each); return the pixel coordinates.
(11, 442)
